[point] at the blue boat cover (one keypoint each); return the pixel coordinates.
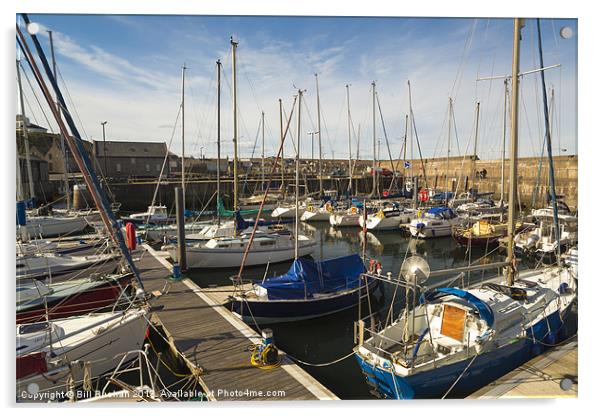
(445, 212)
(306, 278)
(484, 310)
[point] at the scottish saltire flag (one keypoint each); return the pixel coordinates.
(407, 165)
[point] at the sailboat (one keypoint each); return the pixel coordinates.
(541, 241)
(435, 222)
(39, 301)
(309, 289)
(457, 340)
(51, 353)
(388, 218)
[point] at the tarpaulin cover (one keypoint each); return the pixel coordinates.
(306, 278)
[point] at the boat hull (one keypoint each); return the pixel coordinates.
(54, 227)
(77, 303)
(103, 352)
(345, 220)
(252, 311)
(207, 258)
(311, 216)
(486, 368)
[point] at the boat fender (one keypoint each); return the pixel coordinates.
(130, 233)
(563, 288)
(372, 267)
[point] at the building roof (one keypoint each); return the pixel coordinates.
(129, 149)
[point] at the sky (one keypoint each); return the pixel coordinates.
(127, 70)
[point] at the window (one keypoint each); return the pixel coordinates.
(133, 160)
(118, 167)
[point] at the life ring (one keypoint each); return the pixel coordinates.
(354, 210)
(423, 195)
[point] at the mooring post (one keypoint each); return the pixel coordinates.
(180, 224)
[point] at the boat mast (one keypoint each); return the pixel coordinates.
(374, 173)
(183, 149)
(350, 190)
(297, 178)
(219, 130)
(262, 148)
(474, 155)
(319, 138)
(282, 187)
(552, 179)
(63, 150)
(25, 134)
(235, 131)
(510, 270)
(505, 116)
(449, 129)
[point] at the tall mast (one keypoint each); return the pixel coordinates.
(411, 130)
(319, 138)
(446, 186)
(297, 178)
(503, 184)
(219, 133)
(262, 148)
(349, 140)
(374, 173)
(63, 151)
(183, 148)
(552, 179)
(510, 271)
(235, 127)
(282, 187)
(25, 135)
(474, 155)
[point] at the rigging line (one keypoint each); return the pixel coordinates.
(173, 132)
(382, 120)
(467, 46)
(36, 98)
(71, 102)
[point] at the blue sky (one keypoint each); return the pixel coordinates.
(126, 69)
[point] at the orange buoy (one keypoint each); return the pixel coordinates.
(130, 236)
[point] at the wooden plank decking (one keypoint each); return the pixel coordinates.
(541, 377)
(215, 341)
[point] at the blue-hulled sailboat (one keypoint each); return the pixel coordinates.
(457, 340)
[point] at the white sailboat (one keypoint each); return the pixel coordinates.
(48, 265)
(49, 354)
(541, 241)
(387, 218)
(436, 222)
(346, 218)
(228, 252)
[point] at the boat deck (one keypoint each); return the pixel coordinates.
(542, 377)
(213, 340)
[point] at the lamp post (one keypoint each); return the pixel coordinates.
(104, 147)
(312, 133)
